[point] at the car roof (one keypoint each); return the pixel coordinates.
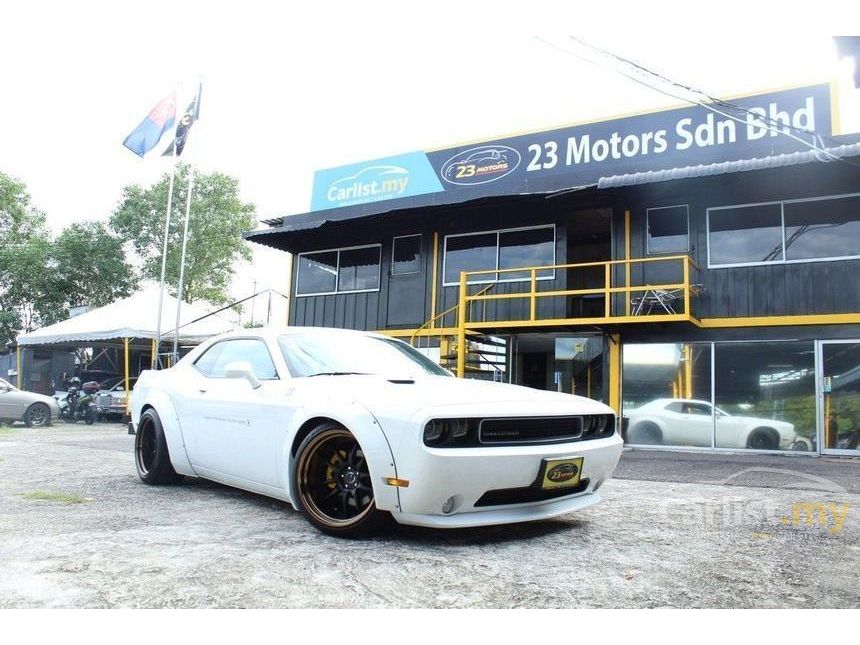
(280, 330)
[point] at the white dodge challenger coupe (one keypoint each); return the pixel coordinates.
(354, 427)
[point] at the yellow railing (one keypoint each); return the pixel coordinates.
(632, 310)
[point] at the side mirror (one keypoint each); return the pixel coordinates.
(242, 369)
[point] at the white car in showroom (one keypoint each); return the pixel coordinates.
(688, 422)
(354, 427)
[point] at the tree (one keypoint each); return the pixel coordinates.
(24, 245)
(41, 277)
(90, 267)
(215, 245)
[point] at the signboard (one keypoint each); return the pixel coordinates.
(579, 155)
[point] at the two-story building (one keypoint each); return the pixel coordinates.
(695, 268)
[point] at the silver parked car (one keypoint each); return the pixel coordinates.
(31, 408)
(110, 401)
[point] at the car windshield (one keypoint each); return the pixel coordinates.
(311, 354)
(7, 385)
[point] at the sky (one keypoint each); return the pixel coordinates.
(290, 88)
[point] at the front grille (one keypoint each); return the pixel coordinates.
(515, 431)
(527, 494)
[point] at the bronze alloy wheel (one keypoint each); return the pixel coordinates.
(334, 480)
(145, 446)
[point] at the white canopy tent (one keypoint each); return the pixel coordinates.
(133, 318)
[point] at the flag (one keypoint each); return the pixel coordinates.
(147, 135)
(192, 113)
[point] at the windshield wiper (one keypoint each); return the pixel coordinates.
(335, 373)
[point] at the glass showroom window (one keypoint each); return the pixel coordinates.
(822, 228)
(667, 394)
(505, 249)
(765, 395)
(668, 230)
(745, 235)
(338, 271)
(406, 255)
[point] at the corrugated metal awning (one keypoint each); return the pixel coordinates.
(725, 167)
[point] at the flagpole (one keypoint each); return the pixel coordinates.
(184, 244)
(155, 361)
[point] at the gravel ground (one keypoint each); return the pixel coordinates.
(77, 529)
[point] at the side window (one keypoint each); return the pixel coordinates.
(215, 360)
(698, 408)
(674, 407)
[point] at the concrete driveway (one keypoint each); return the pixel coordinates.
(77, 529)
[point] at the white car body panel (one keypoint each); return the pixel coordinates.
(678, 428)
(241, 436)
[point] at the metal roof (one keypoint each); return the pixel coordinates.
(725, 167)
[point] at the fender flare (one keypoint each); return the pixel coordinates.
(163, 406)
(370, 436)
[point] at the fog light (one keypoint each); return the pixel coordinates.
(448, 506)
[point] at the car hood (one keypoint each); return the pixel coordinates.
(457, 396)
(41, 398)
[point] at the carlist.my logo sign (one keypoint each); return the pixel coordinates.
(480, 165)
(372, 183)
(407, 175)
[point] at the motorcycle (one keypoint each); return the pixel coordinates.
(80, 402)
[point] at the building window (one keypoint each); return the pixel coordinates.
(799, 230)
(406, 255)
(745, 235)
(668, 229)
(822, 228)
(503, 249)
(339, 271)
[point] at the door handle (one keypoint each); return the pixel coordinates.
(202, 390)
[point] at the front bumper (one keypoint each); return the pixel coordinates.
(437, 475)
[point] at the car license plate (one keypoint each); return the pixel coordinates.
(560, 473)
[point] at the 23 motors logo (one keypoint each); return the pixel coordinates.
(480, 165)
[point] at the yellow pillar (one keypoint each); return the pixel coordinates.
(18, 365)
(125, 342)
(433, 286)
(154, 362)
(615, 372)
(461, 329)
(688, 371)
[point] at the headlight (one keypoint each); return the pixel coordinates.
(449, 433)
(598, 424)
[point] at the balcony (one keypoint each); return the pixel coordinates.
(642, 290)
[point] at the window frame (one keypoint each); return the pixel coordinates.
(277, 376)
(498, 232)
(782, 203)
(648, 250)
(337, 290)
(420, 253)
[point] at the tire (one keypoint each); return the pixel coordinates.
(763, 439)
(37, 415)
(151, 456)
(645, 434)
(332, 483)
